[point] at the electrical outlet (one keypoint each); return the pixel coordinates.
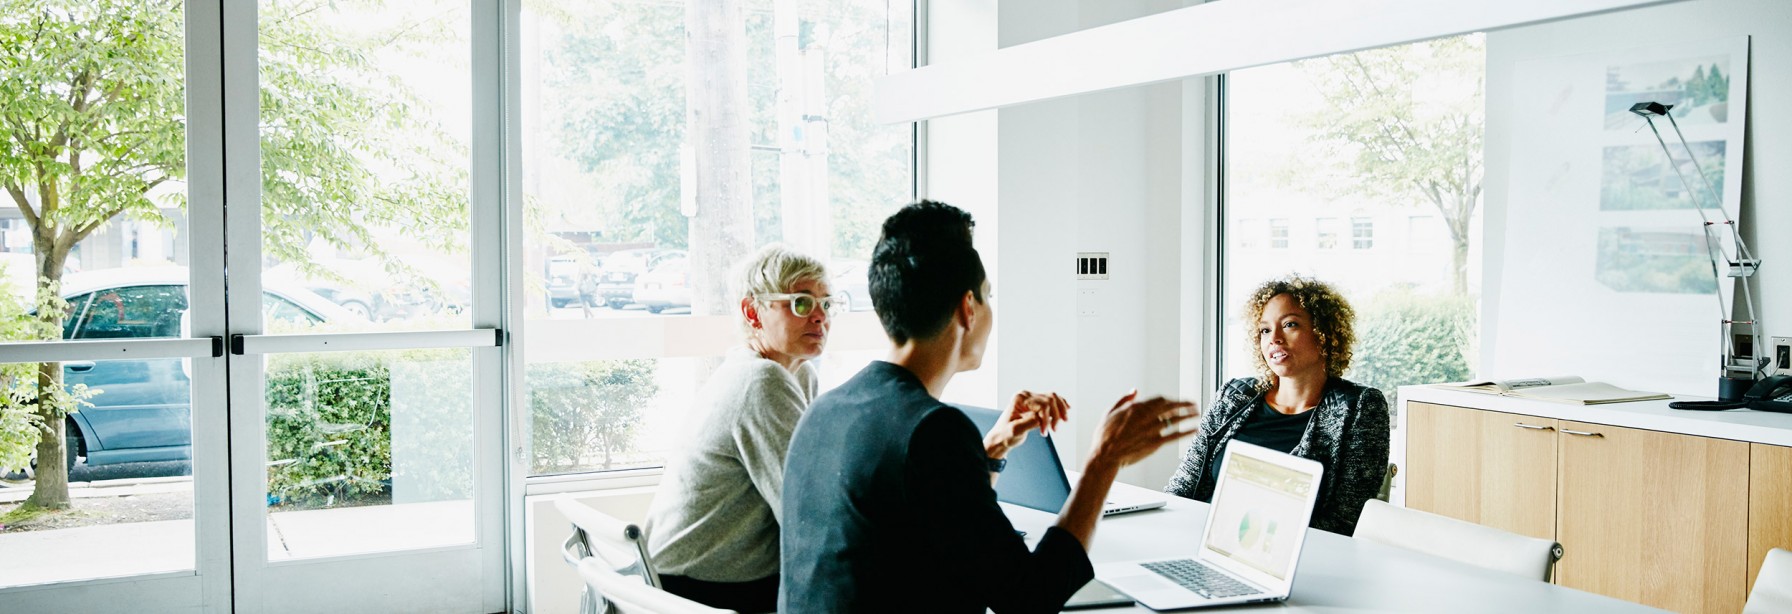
(1782, 355)
(1092, 265)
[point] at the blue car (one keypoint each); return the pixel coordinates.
(142, 408)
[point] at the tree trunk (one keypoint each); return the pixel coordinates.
(1459, 266)
(717, 132)
(51, 488)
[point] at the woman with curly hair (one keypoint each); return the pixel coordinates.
(1301, 334)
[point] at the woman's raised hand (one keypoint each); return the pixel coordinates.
(1134, 429)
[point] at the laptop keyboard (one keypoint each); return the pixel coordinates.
(1204, 580)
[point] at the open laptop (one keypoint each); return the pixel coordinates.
(1035, 476)
(1250, 546)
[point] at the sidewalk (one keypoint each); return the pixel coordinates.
(38, 557)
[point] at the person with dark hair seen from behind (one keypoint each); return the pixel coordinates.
(888, 493)
(1301, 335)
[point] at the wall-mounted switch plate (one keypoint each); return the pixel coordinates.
(1092, 265)
(1782, 355)
(1088, 303)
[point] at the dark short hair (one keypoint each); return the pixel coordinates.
(922, 266)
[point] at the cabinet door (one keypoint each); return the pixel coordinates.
(1485, 467)
(1769, 504)
(1654, 518)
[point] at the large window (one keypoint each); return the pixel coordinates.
(662, 143)
(1356, 143)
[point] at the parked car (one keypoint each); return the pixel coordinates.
(666, 286)
(571, 281)
(142, 409)
(616, 287)
(851, 282)
(367, 290)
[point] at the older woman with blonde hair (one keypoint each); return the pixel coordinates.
(713, 527)
(1301, 333)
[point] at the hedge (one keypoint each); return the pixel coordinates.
(1404, 338)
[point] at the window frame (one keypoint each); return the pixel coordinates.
(1362, 233)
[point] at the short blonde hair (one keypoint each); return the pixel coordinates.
(1333, 322)
(774, 269)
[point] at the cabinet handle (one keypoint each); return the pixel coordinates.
(1583, 433)
(1533, 427)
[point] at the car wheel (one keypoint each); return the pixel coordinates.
(359, 308)
(29, 471)
(656, 308)
(618, 305)
(560, 303)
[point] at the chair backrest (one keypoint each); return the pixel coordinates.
(619, 545)
(1773, 584)
(628, 595)
(1457, 540)
(1387, 482)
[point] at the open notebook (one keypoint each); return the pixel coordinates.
(1559, 389)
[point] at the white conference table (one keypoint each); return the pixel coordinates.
(1336, 573)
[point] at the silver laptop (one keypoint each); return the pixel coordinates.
(1035, 475)
(1250, 545)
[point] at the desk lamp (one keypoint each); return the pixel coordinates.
(1744, 358)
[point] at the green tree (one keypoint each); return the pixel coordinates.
(1698, 90)
(1408, 123)
(1717, 85)
(92, 93)
(620, 101)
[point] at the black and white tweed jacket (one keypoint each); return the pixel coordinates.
(1348, 434)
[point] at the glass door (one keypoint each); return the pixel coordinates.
(112, 421)
(365, 358)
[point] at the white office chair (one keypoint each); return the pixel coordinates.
(1456, 540)
(630, 595)
(1773, 585)
(602, 541)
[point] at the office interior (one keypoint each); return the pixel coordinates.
(1136, 172)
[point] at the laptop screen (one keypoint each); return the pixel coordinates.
(1035, 477)
(1259, 514)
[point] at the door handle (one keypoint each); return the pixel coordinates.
(1583, 433)
(78, 366)
(1533, 427)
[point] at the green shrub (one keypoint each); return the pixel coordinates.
(587, 414)
(1406, 338)
(330, 421)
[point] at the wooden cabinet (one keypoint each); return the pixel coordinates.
(1674, 521)
(1489, 468)
(1656, 518)
(1769, 504)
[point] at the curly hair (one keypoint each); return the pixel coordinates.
(1333, 322)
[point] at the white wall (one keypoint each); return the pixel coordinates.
(1766, 196)
(1102, 172)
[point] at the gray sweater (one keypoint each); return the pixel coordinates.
(715, 517)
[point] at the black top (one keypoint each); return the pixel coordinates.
(1348, 433)
(888, 508)
(1268, 428)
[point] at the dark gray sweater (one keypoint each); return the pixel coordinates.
(1348, 434)
(888, 508)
